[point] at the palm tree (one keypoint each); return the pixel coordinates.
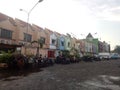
(40, 43)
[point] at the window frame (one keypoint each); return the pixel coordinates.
(27, 37)
(4, 33)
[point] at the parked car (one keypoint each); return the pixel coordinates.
(115, 56)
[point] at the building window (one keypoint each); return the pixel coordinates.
(27, 37)
(5, 34)
(68, 44)
(53, 41)
(62, 43)
(74, 45)
(42, 39)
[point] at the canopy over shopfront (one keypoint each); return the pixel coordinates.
(7, 47)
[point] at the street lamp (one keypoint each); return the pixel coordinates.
(28, 14)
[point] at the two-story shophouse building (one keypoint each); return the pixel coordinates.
(61, 42)
(67, 42)
(104, 47)
(25, 36)
(52, 43)
(93, 44)
(8, 36)
(74, 46)
(40, 34)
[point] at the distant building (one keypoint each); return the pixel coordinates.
(94, 42)
(68, 42)
(52, 43)
(61, 42)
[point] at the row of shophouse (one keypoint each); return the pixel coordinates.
(17, 35)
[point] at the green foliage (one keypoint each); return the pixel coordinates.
(5, 58)
(77, 55)
(75, 52)
(66, 53)
(40, 43)
(117, 49)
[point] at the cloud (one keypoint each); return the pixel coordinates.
(103, 9)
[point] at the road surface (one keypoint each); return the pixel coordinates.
(97, 75)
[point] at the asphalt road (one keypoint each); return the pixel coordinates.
(100, 75)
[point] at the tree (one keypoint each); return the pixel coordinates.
(40, 43)
(74, 52)
(66, 53)
(117, 49)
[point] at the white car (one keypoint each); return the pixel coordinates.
(104, 56)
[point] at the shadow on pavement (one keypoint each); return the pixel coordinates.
(6, 73)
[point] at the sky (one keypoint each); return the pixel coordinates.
(76, 17)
